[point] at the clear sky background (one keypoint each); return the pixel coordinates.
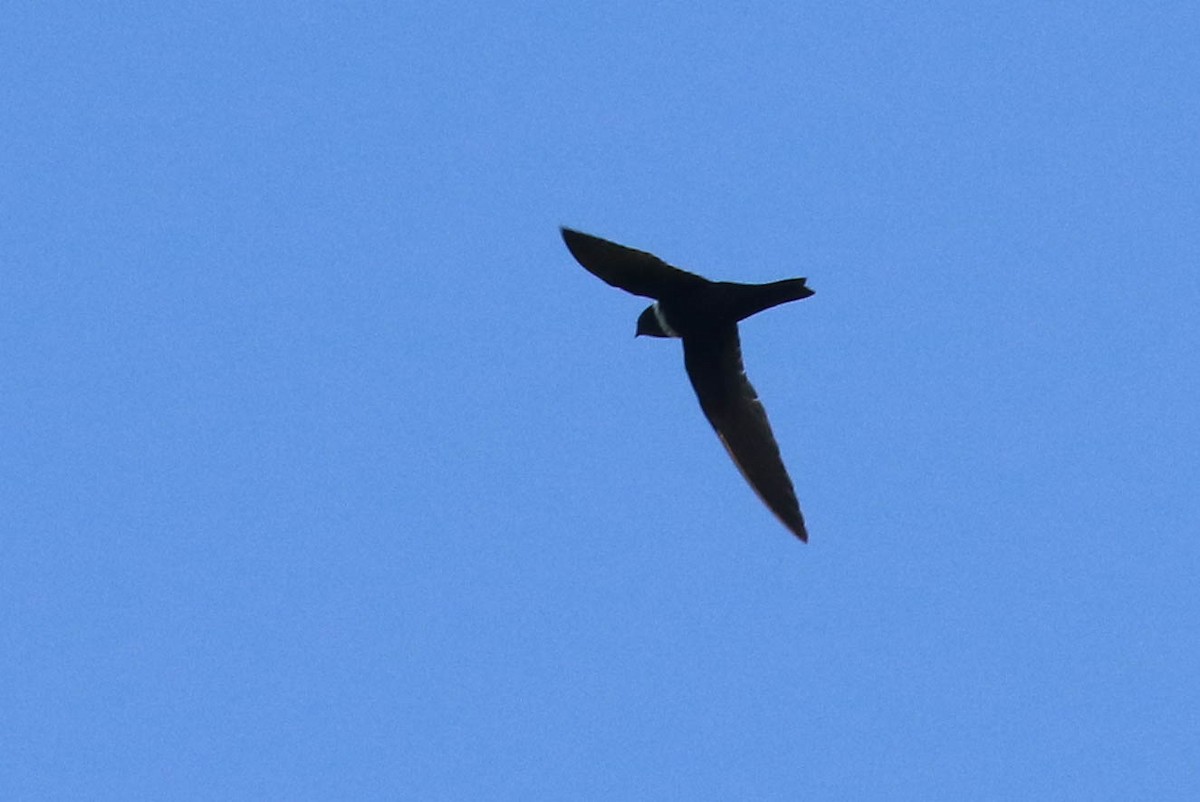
(327, 473)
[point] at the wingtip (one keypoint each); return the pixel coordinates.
(573, 239)
(798, 529)
(576, 243)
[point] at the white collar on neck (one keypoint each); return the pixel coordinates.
(662, 322)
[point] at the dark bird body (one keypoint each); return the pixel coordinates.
(705, 314)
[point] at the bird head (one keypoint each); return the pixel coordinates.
(648, 324)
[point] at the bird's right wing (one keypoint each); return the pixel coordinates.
(633, 271)
(714, 364)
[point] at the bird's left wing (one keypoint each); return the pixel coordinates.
(633, 271)
(714, 364)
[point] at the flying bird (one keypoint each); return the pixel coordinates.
(705, 314)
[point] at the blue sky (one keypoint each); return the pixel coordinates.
(327, 473)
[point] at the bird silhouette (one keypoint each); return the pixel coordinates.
(704, 315)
